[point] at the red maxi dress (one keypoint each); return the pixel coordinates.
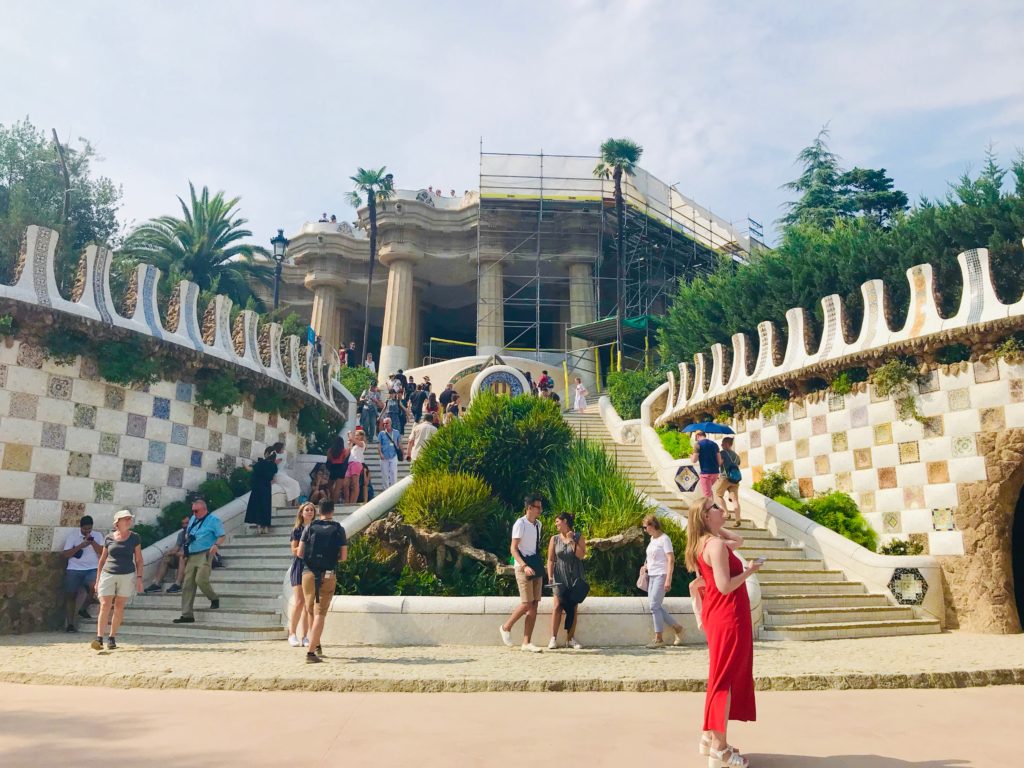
(726, 620)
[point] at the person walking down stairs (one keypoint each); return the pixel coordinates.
(259, 509)
(203, 537)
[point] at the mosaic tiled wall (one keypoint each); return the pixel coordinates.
(72, 444)
(903, 474)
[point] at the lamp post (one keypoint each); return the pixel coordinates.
(279, 244)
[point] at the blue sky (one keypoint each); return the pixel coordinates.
(280, 102)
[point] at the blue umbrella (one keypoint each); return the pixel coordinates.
(709, 427)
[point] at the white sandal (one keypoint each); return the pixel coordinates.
(727, 758)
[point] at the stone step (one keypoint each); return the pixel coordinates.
(269, 586)
(237, 600)
(241, 558)
(766, 543)
(199, 631)
(851, 630)
(268, 540)
(250, 573)
(810, 587)
(846, 614)
(798, 575)
(788, 564)
(222, 617)
(825, 600)
(759, 549)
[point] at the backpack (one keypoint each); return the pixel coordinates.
(324, 540)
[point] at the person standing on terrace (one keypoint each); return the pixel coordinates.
(120, 577)
(529, 573)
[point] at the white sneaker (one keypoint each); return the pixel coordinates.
(305, 642)
(552, 644)
(506, 635)
(574, 643)
(293, 641)
(531, 648)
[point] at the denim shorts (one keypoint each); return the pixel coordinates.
(76, 580)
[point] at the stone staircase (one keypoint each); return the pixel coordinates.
(249, 586)
(802, 599)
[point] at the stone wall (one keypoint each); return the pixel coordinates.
(73, 444)
(31, 597)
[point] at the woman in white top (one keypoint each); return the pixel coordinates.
(356, 451)
(289, 485)
(369, 362)
(660, 563)
(580, 403)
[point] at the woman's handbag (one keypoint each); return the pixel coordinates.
(578, 592)
(643, 583)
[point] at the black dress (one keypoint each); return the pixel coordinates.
(258, 511)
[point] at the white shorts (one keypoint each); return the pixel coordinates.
(116, 585)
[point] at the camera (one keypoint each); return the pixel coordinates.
(189, 539)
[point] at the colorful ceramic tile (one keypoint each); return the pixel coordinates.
(232, 428)
(938, 472)
(40, 538)
(819, 425)
(17, 458)
(933, 426)
(784, 432)
(993, 419)
(47, 487)
(175, 477)
(71, 513)
(59, 387)
(908, 586)
(196, 459)
(867, 501)
(161, 408)
(30, 356)
(1017, 390)
(113, 397)
(839, 442)
(943, 519)
(200, 417)
(136, 425)
(3, 377)
(757, 473)
(12, 511)
(786, 468)
(85, 416)
(919, 538)
(806, 485)
(964, 446)
(755, 438)
(821, 466)
(909, 452)
(687, 478)
(887, 477)
(245, 448)
(89, 369)
(151, 496)
(183, 392)
(799, 410)
(79, 464)
(179, 434)
(803, 448)
(913, 497)
(883, 434)
(23, 405)
(131, 471)
(272, 421)
(157, 452)
(862, 458)
(984, 372)
(891, 522)
(261, 433)
(836, 402)
(859, 416)
(929, 382)
(103, 491)
(110, 444)
(216, 441)
(844, 482)
(876, 396)
(247, 410)
(959, 399)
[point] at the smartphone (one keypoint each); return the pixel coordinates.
(760, 560)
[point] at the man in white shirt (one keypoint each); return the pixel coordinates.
(82, 550)
(421, 433)
(525, 551)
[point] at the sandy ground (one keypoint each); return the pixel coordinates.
(951, 659)
(55, 726)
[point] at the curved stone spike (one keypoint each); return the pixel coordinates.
(683, 395)
(222, 345)
(187, 332)
(699, 392)
(766, 341)
(978, 302)
(276, 367)
(294, 376)
(141, 301)
(922, 314)
(739, 375)
(833, 339)
(874, 328)
(717, 383)
(35, 283)
(671, 400)
(245, 333)
(798, 332)
(92, 285)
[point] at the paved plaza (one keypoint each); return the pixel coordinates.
(42, 725)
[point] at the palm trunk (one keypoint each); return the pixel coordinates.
(371, 203)
(620, 213)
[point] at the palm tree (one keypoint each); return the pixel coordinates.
(377, 186)
(204, 246)
(618, 156)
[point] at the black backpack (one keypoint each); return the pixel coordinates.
(324, 540)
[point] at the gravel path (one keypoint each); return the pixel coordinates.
(952, 659)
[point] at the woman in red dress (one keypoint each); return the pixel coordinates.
(725, 615)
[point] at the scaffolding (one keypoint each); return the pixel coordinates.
(539, 211)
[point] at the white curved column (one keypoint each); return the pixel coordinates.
(490, 309)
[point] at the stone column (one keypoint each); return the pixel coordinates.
(582, 310)
(490, 312)
(344, 332)
(325, 315)
(399, 258)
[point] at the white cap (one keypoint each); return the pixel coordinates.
(121, 514)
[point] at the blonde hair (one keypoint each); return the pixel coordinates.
(696, 531)
(299, 522)
(653, 521)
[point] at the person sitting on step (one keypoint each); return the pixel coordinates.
(175, 556)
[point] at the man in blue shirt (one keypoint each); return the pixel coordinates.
(203, 537)
(388, 440)
(709, 461)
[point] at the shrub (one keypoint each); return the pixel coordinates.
(475, 578)
(748, 403)
(839, 512)
(170, 516)
(893, 379)
(368, 570)
(1010, 348)
(842, 384)
(774, 405)
(6, 325)
(319, 426)
(64, 345)
(240, 481)
(724, 416)
(772, 484)
(355, 380)
(217, 390)
(628, 389)
(148, 533)
(902, 547)
(268, 400)
(954, 353)
(217, 492)
(128, 362)
(676, 443)
(412, 582)
(788, 501)
(444, 502)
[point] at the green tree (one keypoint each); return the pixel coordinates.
(378, 186)
(205, 246)
(871, 193)
(618, 156)
(32, 192)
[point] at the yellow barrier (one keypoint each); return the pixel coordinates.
(597, 368)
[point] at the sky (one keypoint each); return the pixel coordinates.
(280, 102)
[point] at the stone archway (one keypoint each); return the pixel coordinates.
(980, 584)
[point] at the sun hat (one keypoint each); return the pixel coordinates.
(121, 514)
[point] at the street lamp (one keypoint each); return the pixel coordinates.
(279, 244)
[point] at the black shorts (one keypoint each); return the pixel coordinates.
(337, 471)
